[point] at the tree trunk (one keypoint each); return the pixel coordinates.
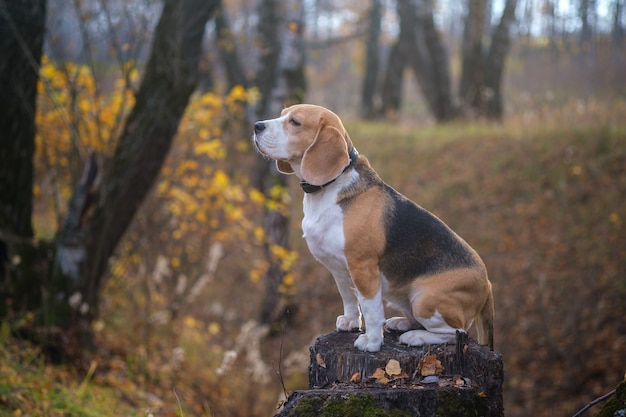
(585, 31)
(420, 46)
(371, 61)
(461, 379)
(282, 83)
(472, 56)
(392, 87)
(398, 60)
(494, 66)
(617, 30)
(227, 47)
(269, 47)
(22, 27)
(440, 98)
(480, 87)
(170, 78)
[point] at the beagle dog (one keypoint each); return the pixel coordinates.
(376, 243)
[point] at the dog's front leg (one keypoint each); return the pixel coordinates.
(351, 318)
(367, 279)
(374, 316)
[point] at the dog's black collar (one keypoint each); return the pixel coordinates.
(310, 188)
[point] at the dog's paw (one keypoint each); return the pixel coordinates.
(400, 324)
(348, 323)
(424, 337)
(368, 344)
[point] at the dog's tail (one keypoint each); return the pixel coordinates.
(484, 321)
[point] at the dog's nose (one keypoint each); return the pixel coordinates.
(259, 127)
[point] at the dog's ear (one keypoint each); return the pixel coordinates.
(284, 167)
(327, 156)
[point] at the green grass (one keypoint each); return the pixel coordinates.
(30, 387)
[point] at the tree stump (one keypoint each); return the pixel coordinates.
(462, 379)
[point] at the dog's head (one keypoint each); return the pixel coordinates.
(307, 140)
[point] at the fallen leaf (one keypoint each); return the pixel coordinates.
(379, 373)
(380, 376)
(393, 368)
(429, 365)
(320, 360)
(356, 377)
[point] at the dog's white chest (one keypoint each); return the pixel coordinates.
(323, 227)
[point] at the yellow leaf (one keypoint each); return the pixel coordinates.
(220, 180)
(288, 280)
(185, 198)
(259, 233)
(393, 368)
(212, 148)
(202, 134)
(255, 275)
(214, 328)
(162, 187)
(256, 196)
(189, 321)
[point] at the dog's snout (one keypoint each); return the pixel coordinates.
(259, 127)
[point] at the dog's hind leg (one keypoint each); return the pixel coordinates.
(436, 332)
(402, 324)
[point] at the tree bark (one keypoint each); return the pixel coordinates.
(371, 61)
(22, 27)
(419, 45)
(494, 67)
(481, 79)
(472, 55)
(281, 82)
(617, 30)
(227, 47)
(467, 380)
(398, 60)
(584, 7)
(392, 87)
(269, 48)
(437, 87)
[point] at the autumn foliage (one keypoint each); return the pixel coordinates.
(540, 198)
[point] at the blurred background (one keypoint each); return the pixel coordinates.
(151, 263)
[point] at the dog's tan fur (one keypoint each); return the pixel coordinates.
(315, 145)
(363, 248)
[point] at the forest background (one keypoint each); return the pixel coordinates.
(152, 262)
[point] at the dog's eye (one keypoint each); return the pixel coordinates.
(295, 122)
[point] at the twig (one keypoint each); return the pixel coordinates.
(90, 372)
(594, 402)
(279, 371)
(180, 407)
